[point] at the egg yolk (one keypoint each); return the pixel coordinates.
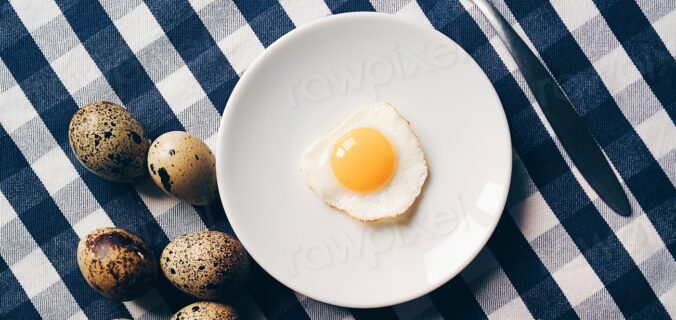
(363, 160)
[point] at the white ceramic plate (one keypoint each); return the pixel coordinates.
(301, 88)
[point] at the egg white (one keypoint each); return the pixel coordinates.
(391, 200)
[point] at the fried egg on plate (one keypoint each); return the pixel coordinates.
(372, 166)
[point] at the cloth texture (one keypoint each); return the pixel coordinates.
(557, 252)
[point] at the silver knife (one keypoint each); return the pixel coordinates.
(567, 124)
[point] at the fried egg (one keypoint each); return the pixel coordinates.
(372, 166)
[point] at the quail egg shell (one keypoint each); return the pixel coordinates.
(209, 265)
(108, 141)
(116, 263)
(182, 165)
(205, 310)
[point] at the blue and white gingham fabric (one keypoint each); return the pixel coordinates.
(558, 252)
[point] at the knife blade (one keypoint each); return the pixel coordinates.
(567, 124)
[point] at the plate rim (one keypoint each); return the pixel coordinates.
(226, 118)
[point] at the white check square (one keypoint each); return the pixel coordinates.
(80, 315)
(640, 239)
(665, 30)
(668, 299)
(15, 109)
(241, 48)
(180, 89)
(157, 201)
(76, 69)
(95, 220)
(34, 13)
(533, 216)
(413, 13)
(54, 170)
(302, 12)
(198, 5)
(616, 70)
(7, 213)
(575, 13)
(139, 28)
(658, 133)
(577, 280)
(35, 273)
(515, 309)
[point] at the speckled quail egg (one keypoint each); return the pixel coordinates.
(209, 265)
(183, 166)
(205, 310)
(108, 141)
(116, 263)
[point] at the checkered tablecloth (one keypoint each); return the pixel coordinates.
(558, 251)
